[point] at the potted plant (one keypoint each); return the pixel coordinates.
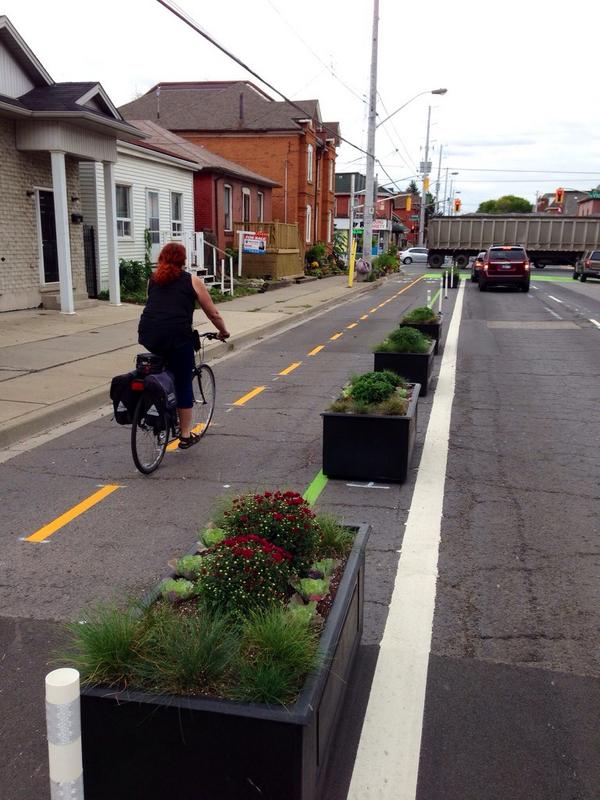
(407, 352)
(226, 681)
(369, 431)
(427, 321)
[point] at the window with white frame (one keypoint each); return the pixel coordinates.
(329, 226)
(308, 228)
(176, 214)
(123, 194)
(331, 175)
(260, 217)
(246, 205)
(227, 206)
(309, 162)
(153, 215)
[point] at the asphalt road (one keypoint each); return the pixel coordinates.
(513, 696)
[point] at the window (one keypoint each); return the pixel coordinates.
(152, 215)
(176, 214)
(123, 211)
(309, 162)
(329, 226)
(261, 207)
(307, 235)
(331, 176)
(227, 206)
(246, 205)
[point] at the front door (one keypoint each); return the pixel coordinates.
(48, 236)
(153, 222)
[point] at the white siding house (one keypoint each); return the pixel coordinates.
(154, 190)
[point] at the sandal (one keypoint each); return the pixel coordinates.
(188, 441)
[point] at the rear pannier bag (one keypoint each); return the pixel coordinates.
(149, 363)
(160, 389)
(124, 399)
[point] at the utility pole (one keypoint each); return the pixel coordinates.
(351, 217)
(437, 183)
(425, 169)
(446, 192)
(368, 210)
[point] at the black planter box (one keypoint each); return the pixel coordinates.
(431, 329)
(139, 745)
(415, 367)
(370, 447)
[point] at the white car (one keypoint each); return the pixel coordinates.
(416, 254)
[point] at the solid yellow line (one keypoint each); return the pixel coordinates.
(291, 368)
(249, 396)
(352, 325)
(336, 336)
(175, 443)
(71, 514)
(316, 350)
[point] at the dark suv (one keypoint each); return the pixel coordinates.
(505, 266)
(588, 267)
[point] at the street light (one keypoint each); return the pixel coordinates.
(427, 91)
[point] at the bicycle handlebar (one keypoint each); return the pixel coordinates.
(208, 335)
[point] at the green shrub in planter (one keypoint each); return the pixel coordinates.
(373, 393)
(420, 314)
(404, 340)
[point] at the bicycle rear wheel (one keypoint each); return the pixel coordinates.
(204, 398)
(149, 435)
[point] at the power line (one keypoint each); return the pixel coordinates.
(531, 171)
(178, 12)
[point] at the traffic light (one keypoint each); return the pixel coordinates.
(457, 204)
(409, 203)
(559, 196)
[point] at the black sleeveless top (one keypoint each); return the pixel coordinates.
(166, 322)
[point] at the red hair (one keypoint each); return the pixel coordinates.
(170, 263)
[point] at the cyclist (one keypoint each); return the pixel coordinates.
(165, 327)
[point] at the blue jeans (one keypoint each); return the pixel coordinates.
(181, 363)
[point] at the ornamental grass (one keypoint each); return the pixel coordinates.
(404, 340)
(374, 393)
(421, 314)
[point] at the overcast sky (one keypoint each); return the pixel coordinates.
(521, 77)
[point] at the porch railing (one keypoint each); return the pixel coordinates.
(215, 270)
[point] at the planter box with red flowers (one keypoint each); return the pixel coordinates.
(278, 591)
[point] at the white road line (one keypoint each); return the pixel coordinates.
(594, 322)
(387, 761)
(554, 314)
(533, 286)
(556, 300)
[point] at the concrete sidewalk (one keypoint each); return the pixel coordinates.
(55, 367)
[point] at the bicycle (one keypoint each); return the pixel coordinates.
(153, 430)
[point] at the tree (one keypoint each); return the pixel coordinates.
(507, 204)
(412, 188)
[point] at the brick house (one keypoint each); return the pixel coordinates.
(46, 130)
(590, 205)
(224, 192)
(235, 119)
(387, 228)
(546, 203)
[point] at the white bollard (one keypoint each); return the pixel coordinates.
(428, 297)
(441, 292)
(63, 725)
(446, 282)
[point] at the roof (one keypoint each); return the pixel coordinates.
(166, 141)
(222, 106)
(19, 49)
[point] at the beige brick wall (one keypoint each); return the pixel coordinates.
(21, 172)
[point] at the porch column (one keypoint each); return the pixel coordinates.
(63, 240)
(110, 207)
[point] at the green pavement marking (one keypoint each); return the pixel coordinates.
(318, 483)
(555, 278)
(434, 298)
(439, 275)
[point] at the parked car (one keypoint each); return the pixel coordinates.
(588, 267)
(477, 266)
(505, 266)
(416, 254)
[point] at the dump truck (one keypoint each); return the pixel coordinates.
(547, 239)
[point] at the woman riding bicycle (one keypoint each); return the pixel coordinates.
(166, 327)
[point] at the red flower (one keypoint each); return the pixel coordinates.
(277, 516)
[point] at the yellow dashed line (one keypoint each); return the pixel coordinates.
(316, 350)
(352, 325)
(291, 368)
(240, 401)
(175, 444)
(365, 316)
(336, 336)
(372, 310)
(64, 519)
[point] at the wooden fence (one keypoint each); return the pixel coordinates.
(284, 257)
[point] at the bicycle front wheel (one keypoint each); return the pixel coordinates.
(204, 398)
(149, 435)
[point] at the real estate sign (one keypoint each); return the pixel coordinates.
(255, 242)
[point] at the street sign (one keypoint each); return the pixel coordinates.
(425, 167)
(414, 216)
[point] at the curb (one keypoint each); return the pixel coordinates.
(39, 421)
